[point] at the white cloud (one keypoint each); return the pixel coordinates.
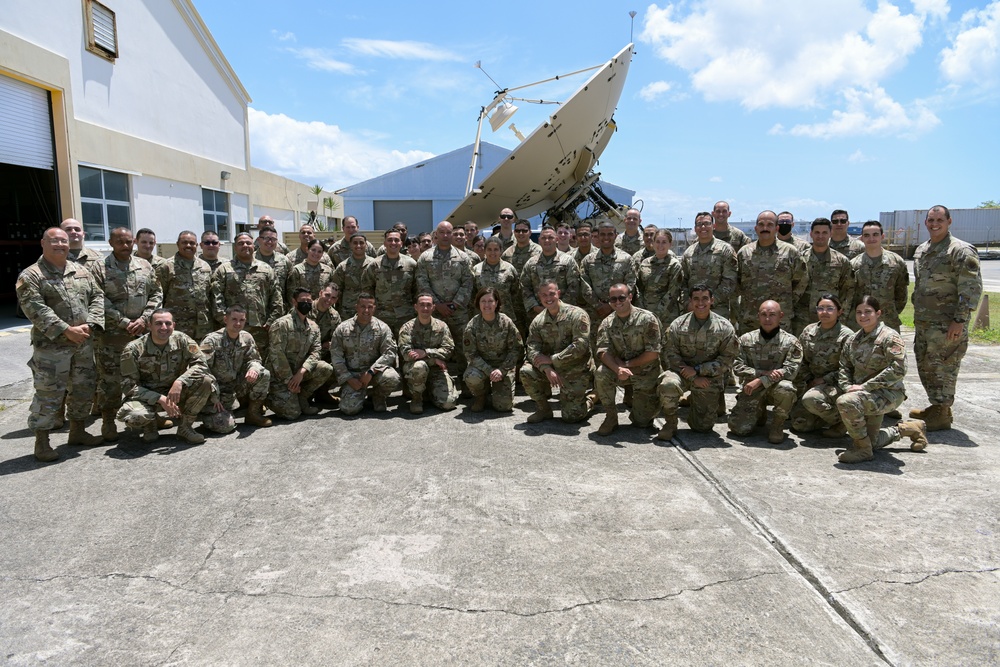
(651, 91)
(402, 50)
(974, 56)
(936, 9)
(869, 112)
(322, 60)
(315, 152)
(786, 53)
(715, 179)
(284, 36)
(858, 157)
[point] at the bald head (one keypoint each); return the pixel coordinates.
(442, 233)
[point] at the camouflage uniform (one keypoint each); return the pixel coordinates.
(850, 247)
(734, 236)
(713, 264)
(327, 321)
(129, 293)
(821, 352)
(353, 277)
(280, 264)
(829, 273)
(154, 260)
(660, 283)
(149, 370)
(54, 300)
(558, 267)
(757, 357)
(646, 253)
(212, 263)
(228, 361)
(629, 244)
(341, 250)
(446, 275)
(85, 257)
(518, 257)
(801, 246)
(564, 338)
(279, 248)
(601, 271)
(627, 338)
(502, 278)
(947, 288)
(294, 345)
(436, 341)
(509, 243)
(884, 277)
(578, 255)
(490, 345)
(775, 272)
(309, 277)
(395, 290)
(357, 349)
(185, 286)
(298, 256)
(710, 347)
(252, 286)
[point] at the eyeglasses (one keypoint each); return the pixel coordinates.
(504, 216)
(617, 299)
(210, 243)
(269, 239)
(522, 230)
(826, 309)
(703, 223)
(839, 221)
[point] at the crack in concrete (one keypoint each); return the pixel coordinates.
(225, 531)
(925, 577)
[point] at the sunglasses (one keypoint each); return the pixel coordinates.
(506, 217)
(617, 299)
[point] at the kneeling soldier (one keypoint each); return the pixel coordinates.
(364, 354)
(234, 362)
(425, 346)
(293, 358)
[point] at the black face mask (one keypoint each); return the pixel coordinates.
(304, 307)
(784, 229)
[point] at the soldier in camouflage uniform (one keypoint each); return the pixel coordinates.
(145, 245)
(840, 241)
(355, 275)
(608, 266)
(294, 362)
(185, 281)
(628, 347)
(425, 346)
(506, 220)
(769, 269)
(697, 355)
(341, 250)
(767, 363)
(502, 277)
(630, 242)
(558, 355)
(311, 275)
(364, 354)
(549, 264)
(164, 370)
(882, 274)
(131, 294)
(948, 287)
(266, 251)
(722, 231)
(829, 273)
(250, 283)
(710, 262)
(65, 308)
(307, 234)
(263, 222)
(459, 240)
(493, 350)
(395, 283)
(660, 281)
(517, 254)
(823, 343)
(233, 360)
(445, 273)
(584, 235)
(210, 246)
(648, 250)
(324, 314)
(872, 368)
(786, 223)
(78, 252)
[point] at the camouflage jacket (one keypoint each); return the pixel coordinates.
(447, 275)
(307, 276)
(949, 283)
(298, 256)
(710, 347)
(341, 250)
(433, 338)
(734, 236)
(279, 263)
(821, 352)
(829, 273)
(185, 286)
(885, 278)
(661, 285)
(129, 293)
(395, 286)
(875, 360)
(279, 248)
(558, 267)
(850, 247)
(601, 271)
(564, 337)
(758, 356)
(713, 264)
(578, 255)
(148, 370)
(252, 286)
(85, 257)
(502, 278)
(293, 344)
(489, 345)
(629, 244)
(229, 360)
(775, 272)
(630, 337)
(55, 300)
(353, 277)
(212, 263)
(518, 257)
(355, 348)
(327, 321)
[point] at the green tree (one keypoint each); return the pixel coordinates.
(989, 204)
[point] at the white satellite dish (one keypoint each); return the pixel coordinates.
(552, 166)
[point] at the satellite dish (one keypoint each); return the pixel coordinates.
(552, 167)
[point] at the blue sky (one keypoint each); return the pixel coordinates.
(784, 104)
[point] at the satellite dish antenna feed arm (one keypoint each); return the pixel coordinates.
(498, 118)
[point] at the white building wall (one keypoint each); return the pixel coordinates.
(166, 207)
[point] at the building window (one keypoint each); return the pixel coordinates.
(216, 207)
(105, 202)
(102, 31)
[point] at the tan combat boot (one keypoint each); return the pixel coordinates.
(542, 412)
(938, 418)
(43, 452)
(78, 435)
(610, 423)
(416, 406)
(187, 433)
(164, 422)
(478, 403)
(109, 429)
(916, 431)
(255, 415)
(669, 428)
(838, 430)
(378, 401)
(306, 407)
(150, 432)
(918, 413)
(776, 433)
(859, 451)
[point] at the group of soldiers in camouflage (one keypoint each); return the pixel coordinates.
(425, 313)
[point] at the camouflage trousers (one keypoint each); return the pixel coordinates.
(749, 409)
(261, 337)
(816, 409)
(352, 401)
(192, 326)
(862, 410)
(938, 359)
(704, 402)
(286, 404)
(501, 393)
(137, 414)
(61, 372)
(108, 355)
(645, 405)
(243, 390)
(456, 326)
(419, 373)
(577, 379)
(394, 323)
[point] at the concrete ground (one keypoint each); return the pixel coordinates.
(454, 538)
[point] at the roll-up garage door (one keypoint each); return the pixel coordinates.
(25, 125)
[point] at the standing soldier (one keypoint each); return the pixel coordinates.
(947, 290)
(445, 273)
(550, 264)
(769, 270)
(699, 349)
(78, 252)
(829, 273)
(505, 220)
(425, 346)
(341, 250)
(131, 294)
(722, 231)
(267, 252)
(307, 234)
(882, 274)
(767, 363)
(247, 282)
(311, 275)
(293, 360)
(710, 262)
(395, 283)
(263, 222)
(210, 246)
(630, 242)
(66, 308)
(324, 314)
(164, 370)
(145, 244)
(522, 248)
(185, 281)
(355, 275)
(495, 273)
(660, 280)
(608, 266)
(584, 232)
(839, 239)
(233, 360)
(364, 354)
(786, 223)
(558, 356)
(628, 346)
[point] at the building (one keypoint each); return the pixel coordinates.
(423, 194)
(125, 113)
(905, 229)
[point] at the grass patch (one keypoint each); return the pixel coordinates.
(991, 335)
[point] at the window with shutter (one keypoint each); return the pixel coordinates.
(102, 32)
